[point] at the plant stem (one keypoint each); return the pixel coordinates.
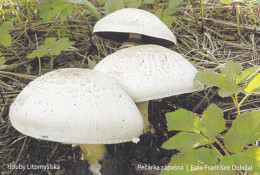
(40, 65)
(238, 18)
(240, 103)
(222, 147)
(15, 11)
(202, 14)
(252, 13)
(234, 100)
(213, 147)
(93, 153)
(27, 9)
(52, 61)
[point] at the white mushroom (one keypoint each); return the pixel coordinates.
(148, 72)
(134, 25)
(77, 106)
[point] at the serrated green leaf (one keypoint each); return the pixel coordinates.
(185, 141)
(61, 45)
(61, 33)
(168, 20)
(257, 90)
(5, 37)
(134, 3)
(64, 13)
(51, 8)
(245, 130)
(224, 93)
(226, 1)
(89, 6)
(215, 79)
(39, 52)
(168, 11)
(174, 3)
(245, 75)
(148, 1)
(113, 5)
(212, 122)
(253, 84)
(182, 120)
(50, 42)
(6, 26)
(201, 157)
(159, 12)
(248, 158)
(231, 69)
(51, 47)
(2, 60)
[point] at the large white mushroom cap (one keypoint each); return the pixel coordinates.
(117, 25)
(76, 106)
(148, 72)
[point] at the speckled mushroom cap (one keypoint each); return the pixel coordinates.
(148, 72)
(76, 106)
(117, 26)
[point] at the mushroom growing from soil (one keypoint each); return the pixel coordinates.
(148, 72)
(132, 26)
(77, 106)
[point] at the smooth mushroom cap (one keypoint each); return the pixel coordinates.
(148, 72)
(76, 106)
(117, 26)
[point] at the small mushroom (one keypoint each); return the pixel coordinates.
(77, 106)
(148, 72)
(132, 26)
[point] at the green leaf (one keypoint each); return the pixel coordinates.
(159, 12)
(257, 90)
(168, 20)
(248, 158)
(61, 45)
(39, 52)
(2, 59)
(61, 33)
(185, 141)
(51, 47)
(168, 11)
(5, 37)
(226, 1)
(201, 157)
(212, 122)
(253, 84)
(224, 93)
(231, 69)
(64, 13)
(89, 6)
(133, 3)
(174, 3)
(148, 1)
(51, 8)
(113, 5)
(245, 75)
(215, 79)
(245, 130)
(182, 120)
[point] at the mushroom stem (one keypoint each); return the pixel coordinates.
(135, 37)
(93, 153)
(133, 40)
(143, 108)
